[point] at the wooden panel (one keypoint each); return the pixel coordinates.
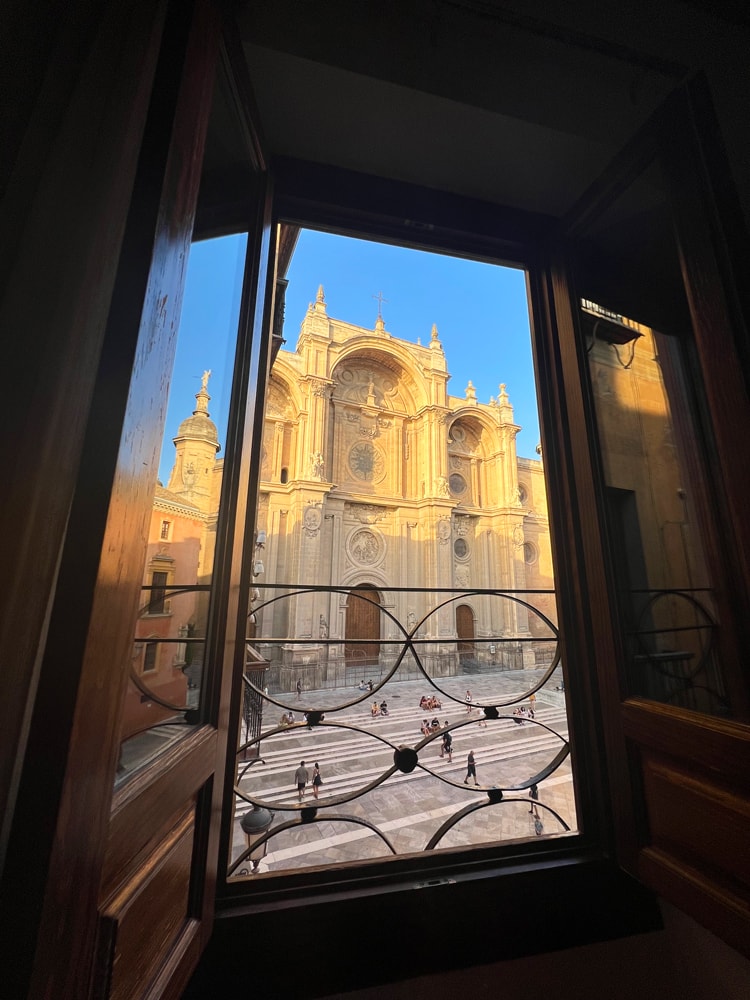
(697, 820)
(717, 745)
(142, 923)
(146, 803)
(713, 904)
(174, 974)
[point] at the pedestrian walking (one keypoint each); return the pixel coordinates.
(471, 769)
(299, 689)
(446, 750)
(468, 699)
(317, 780)
(300, 776)
(534, 796)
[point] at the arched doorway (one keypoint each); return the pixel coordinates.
(362, 622)
(465, 632)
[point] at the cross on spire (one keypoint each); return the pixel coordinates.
(381, 300)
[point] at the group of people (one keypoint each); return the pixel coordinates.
(446, 743)
(520, 715)
(523, 714)
(428, 728)
(365, 685)
(302, 776)
(430, 703)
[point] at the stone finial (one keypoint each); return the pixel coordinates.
(505, 405)
(434, 333)
(471, 392)
(320, 301)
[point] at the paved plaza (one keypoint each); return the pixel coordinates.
(409, 809)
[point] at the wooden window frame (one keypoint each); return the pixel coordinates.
(310, 196)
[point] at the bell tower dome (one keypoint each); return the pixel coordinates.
(196, 444)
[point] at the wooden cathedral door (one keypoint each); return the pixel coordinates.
(363, 623)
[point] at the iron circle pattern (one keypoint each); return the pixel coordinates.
(405, 643)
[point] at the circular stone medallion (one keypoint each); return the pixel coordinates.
(366, 462)
(364, 546)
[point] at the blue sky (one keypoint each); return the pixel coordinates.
(480, 311)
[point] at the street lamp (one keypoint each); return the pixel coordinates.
(254, 824)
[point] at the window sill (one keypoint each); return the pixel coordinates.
(386, 933)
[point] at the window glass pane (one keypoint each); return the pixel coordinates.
(652, 453)
(404, 597)
(177, 573)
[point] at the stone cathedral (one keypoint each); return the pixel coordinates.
(374, 478)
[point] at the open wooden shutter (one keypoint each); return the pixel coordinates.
(124, 880)
(655, 242)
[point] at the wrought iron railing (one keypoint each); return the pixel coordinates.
(671, 658)
(672, 650)
(362, 760)
(152, 719)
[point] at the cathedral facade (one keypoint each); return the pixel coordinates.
(377, 481)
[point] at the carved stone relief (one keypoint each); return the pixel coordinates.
(363, 384)
(312, 520)
(367, 513)
(366, 462)
(278, 403)
(364, 546)
(320, 388)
